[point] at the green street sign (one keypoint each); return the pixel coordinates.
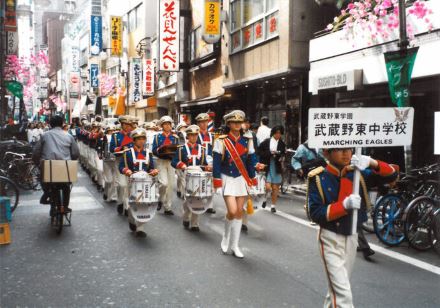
(399, 65)
(16, 88)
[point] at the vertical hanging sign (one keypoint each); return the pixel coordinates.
(169, 35)
(136, 78)
(116, 35)
(148, 85)
(211, 22)
(96, 35)
(94, 73)
(10, 15)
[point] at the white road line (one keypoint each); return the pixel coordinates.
(392, 254)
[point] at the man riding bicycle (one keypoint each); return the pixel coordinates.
(55, 145)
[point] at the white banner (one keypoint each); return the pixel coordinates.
(136, 80)
(169, 35)
(360, 127)
(148, 84)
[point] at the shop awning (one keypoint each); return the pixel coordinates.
(203, 101)
(145, 103)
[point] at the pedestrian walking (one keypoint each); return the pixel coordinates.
(305, 160)
(263, 132)
(271, 151)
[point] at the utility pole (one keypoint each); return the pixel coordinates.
(3, 101)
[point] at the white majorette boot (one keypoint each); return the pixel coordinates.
(235, 237)
(226, 235)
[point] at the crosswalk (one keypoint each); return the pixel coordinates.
(81, 199)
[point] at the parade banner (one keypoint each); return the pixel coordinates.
(136, 80)
(94, 75)
(399, 65)
(169, 35)
(211, 22)
(96, 34)
(360, 127)
(10, 23)
(12, 43)
(116, 35)
(74, 84)
(148, 83)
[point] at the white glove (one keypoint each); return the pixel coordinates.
(362, 162)
(352, 202)
(218, 191)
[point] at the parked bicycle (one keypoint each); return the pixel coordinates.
(391, 210)
(9, 189)
(21, 169)
(287, 173)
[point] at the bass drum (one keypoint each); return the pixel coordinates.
(258, 193)
(198, 190)
(144, 196)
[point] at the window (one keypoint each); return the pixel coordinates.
(252, 22)
(135, 19)
(199, 49)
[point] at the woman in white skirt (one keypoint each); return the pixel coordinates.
(234, 169)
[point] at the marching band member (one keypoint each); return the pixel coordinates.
(111, 171)
(180, 130)
(137, 158)
(330, 201)
(99, 168)
(191, 154)
(121, 142)
(151, 132)
(206, 139)
(164, 145)
(234, 169)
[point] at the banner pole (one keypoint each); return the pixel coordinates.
(356, 181)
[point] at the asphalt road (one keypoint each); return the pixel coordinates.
(97, 262)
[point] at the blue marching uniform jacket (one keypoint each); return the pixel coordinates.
(223, 162)
(161, 139)
(182, 157)
(328, 187)
(127, 161)
(119, 141)
(208, 138)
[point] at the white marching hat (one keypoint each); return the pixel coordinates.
(234, 116)
(165, 119)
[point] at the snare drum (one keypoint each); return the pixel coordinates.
(198, 191)
(143, 188)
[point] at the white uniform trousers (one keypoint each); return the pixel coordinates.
(180, 181)
(166, 182)
(122, 183)
(110, 175)
(100, 171)
(338, 253)
(187, 214)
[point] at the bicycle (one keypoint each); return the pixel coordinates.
(60, 213)
(435, 231)
(9, 189)
(419, 217)
(388, 215)
(22, 170)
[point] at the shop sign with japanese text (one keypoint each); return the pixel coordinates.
(12, 47)
(94, 75)
(148, 87)
(169, 35)
(96, 34)
(136, 80)
(74, 59)
(10, 15)
(116, 35)
(211, 25)
(360, 127)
